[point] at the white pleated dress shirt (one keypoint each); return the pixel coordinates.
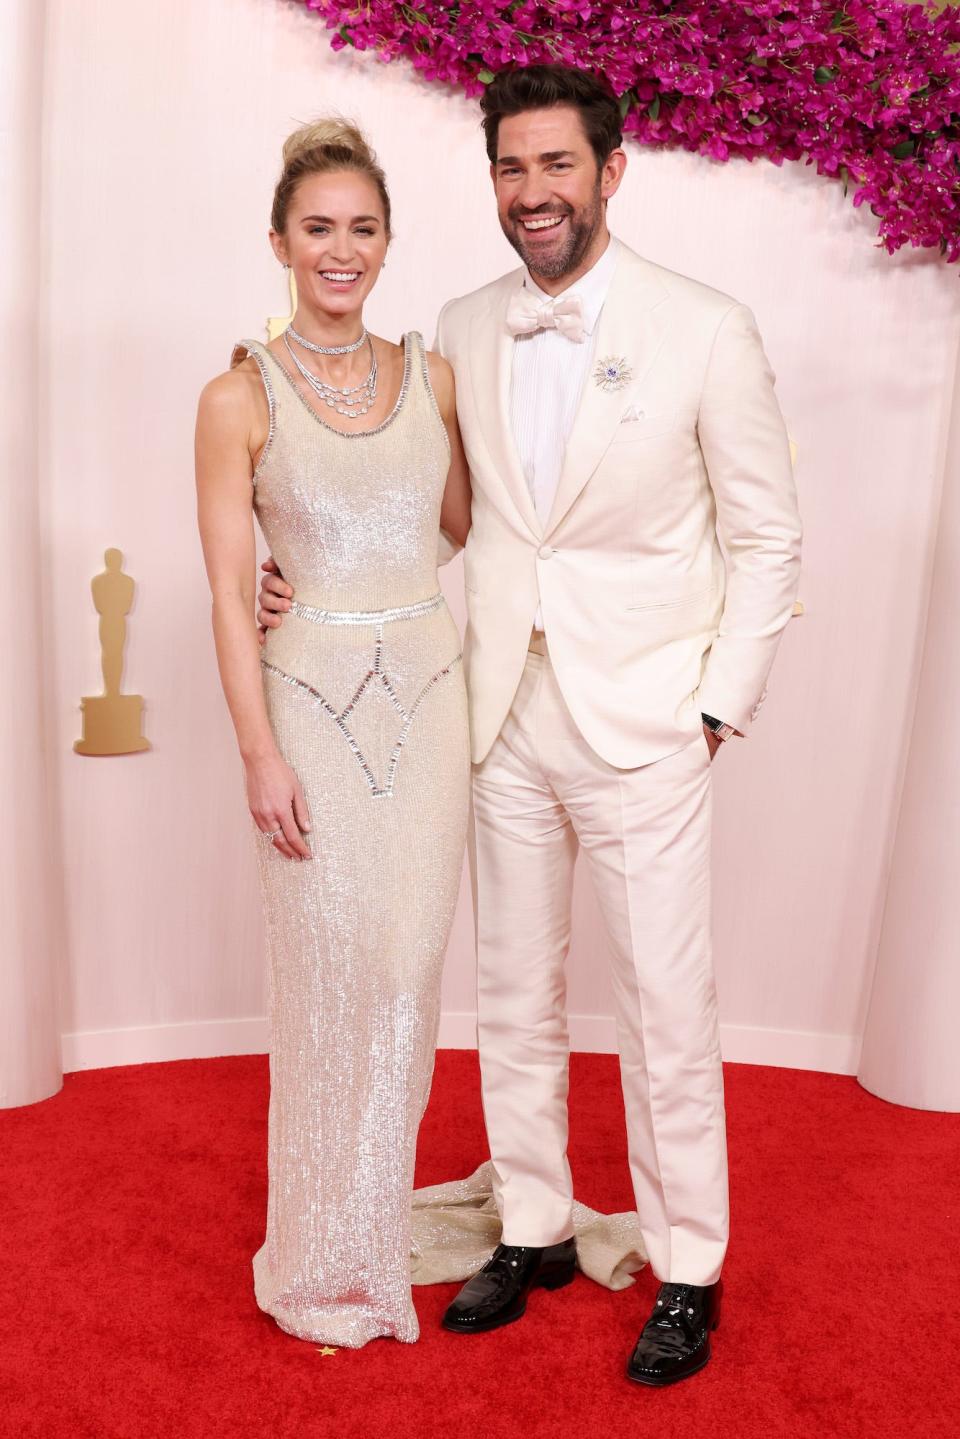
(546, 381)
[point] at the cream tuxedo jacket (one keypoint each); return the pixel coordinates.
(669, 565)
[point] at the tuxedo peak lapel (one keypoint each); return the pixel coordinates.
(630, 333)
(491, 364)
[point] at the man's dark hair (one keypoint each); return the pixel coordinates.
(534, 87)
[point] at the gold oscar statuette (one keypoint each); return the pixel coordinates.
(112, 721)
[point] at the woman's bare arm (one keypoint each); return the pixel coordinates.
(226, 418)
(455, 510)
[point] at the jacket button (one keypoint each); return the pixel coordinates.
(545, 552)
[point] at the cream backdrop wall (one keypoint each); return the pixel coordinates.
(30, 913)
(161, 139)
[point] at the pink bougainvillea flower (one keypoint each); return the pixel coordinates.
(867, 91)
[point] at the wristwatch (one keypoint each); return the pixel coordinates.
(721, 730)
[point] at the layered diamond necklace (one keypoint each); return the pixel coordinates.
(352, 401)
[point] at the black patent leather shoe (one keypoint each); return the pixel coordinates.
(498, 1293)
(675, 1341)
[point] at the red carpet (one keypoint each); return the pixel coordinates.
(133, 1201)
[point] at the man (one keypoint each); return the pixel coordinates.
(620, 424)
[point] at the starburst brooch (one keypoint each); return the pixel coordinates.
(612, 374)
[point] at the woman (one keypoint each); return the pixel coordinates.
(353, 731)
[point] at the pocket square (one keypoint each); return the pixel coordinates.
(632, 413)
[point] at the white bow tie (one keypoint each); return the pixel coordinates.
(527, 313)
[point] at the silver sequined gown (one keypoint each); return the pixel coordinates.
(365, 694)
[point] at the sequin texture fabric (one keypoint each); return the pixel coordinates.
(365, 694)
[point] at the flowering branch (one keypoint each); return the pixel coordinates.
(868, 93)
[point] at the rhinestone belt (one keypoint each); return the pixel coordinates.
(366, 617)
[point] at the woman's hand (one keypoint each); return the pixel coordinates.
(276, 802)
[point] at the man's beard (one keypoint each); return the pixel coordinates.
(582, 226)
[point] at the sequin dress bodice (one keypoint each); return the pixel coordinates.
(352, 519)
(364, 692)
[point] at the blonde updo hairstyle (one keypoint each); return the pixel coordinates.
(325, 146)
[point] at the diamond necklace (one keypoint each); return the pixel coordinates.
(327, 349)
(351, 401)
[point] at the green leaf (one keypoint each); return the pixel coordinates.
(903, 150)
(485, 77)
(839, 20)
(754, 119)
(653, 109)
(824, 74)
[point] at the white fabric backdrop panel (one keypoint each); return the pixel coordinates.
(162, 138)
(30, 888)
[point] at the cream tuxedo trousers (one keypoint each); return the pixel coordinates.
(540, 795)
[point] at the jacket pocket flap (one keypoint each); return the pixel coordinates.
(672, 591)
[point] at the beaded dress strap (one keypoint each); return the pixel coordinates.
(419, 357)
(257, 352)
